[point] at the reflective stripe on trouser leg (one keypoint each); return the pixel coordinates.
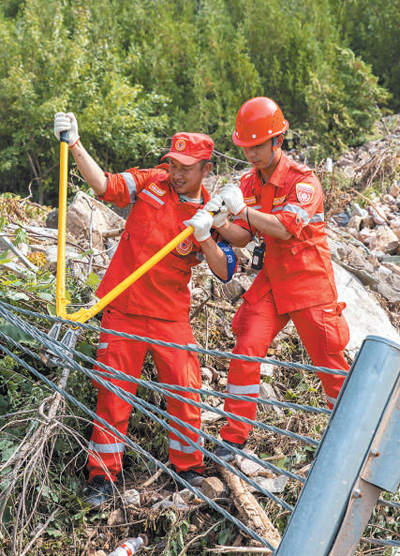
(181, 368)
(109, 448)
(325, 333)
(105, 459)
(255, 327)
(173, 366)
(124, 355)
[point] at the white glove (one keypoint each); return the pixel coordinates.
(66, 122)
(218, 209)
(233, 198)
(201, 222)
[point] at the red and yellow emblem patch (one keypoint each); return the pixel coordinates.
(180, 145)
(185, 247)
(250, 200)
(157, 190)
(304, 192)
(279, 200)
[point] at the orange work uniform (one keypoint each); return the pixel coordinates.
(296, 282)
(156, 306)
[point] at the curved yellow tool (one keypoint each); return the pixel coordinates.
(84, 314)
(61, 301)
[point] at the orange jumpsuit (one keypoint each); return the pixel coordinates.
(156, 306)
(296, 282)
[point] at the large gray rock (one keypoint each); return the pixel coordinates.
(104, 219)
(363, 313)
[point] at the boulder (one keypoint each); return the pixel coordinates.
(363, 313)
(104, 219)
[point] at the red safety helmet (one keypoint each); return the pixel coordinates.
(258, 120)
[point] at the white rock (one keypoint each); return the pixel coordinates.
(211, 416)
(364, 315)
(365, 235)
(131, 497)
(267, 370)
(275, 485)
(384, 240)
(251, 468)
(358, 211)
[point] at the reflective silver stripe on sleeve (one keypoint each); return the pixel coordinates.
(131, 185)
(318, 217)
(103, 346)
(331, 400)
(107, 448)
(243, 390)
(176, 445)
(146, 192)
(296, 210)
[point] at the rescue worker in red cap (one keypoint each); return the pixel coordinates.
(166, 200)
(281, 201)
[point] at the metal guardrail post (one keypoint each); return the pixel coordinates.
(381, 471)
(349, 439)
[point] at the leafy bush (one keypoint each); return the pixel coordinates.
(136, 72)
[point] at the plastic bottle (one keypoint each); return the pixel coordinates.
(127, 547)
(329, 165)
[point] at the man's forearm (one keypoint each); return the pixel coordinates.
(267, 224)
(234, 234)
(90, 170)
(216, 258)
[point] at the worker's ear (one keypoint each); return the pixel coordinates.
(279, 141)
(207, 169)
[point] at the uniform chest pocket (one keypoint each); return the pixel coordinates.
(145, 211)
(151, 199)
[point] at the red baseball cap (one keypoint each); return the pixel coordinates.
(189, 148)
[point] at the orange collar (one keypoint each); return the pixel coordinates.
(204, 192)
(279, 174)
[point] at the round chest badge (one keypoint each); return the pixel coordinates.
(180, 145)
(185, 247)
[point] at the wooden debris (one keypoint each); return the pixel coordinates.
(249, 509)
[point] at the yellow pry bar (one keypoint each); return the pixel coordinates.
(83, 315)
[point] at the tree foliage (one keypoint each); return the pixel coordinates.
(371, 30)
(136, 72)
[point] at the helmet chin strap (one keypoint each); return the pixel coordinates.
(274, 146)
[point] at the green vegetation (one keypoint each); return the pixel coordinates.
(136, 72)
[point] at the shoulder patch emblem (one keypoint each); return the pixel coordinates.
(304, 192)
(185, 247)
(279, 200)
(250, 200)
(157, 190)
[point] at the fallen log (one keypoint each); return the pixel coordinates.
(249, 509)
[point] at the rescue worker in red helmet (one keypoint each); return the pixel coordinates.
(165, 199)
(282, 201)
